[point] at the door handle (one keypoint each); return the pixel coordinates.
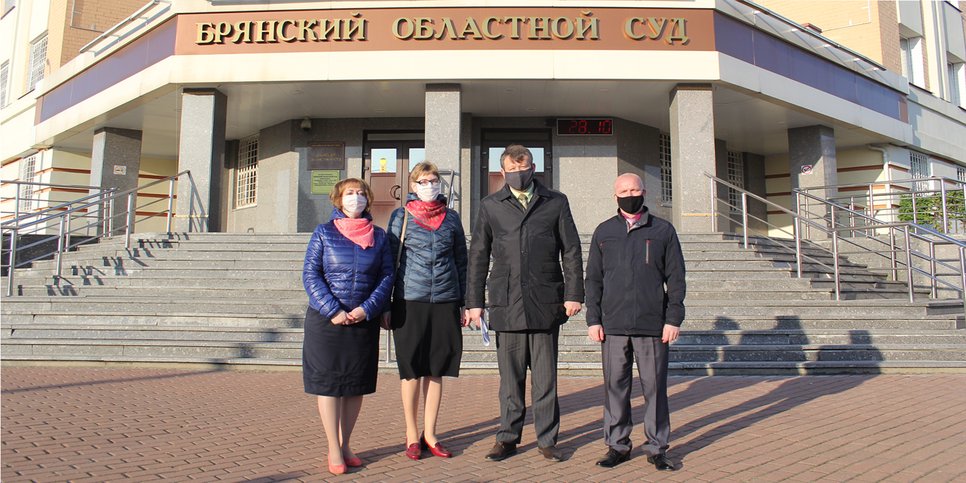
(395, 191)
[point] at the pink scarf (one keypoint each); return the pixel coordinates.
(428, 214)
(359, 230)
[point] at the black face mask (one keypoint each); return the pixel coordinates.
(631, 204)
(519, 180)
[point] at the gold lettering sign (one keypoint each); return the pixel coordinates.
(387, 29)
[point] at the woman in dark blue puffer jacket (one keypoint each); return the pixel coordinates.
(348, 275)
(427, 302)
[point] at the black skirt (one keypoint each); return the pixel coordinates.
(429, 341)
(339, 360)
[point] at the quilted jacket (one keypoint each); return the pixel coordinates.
(340, 275)
(433, 264)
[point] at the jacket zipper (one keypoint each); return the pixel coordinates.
(647, 252)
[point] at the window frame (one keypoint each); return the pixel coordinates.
(664, 161)
(37, 62)
(246, 173)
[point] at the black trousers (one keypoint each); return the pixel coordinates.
(515, 352)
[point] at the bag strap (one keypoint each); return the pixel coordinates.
(402, 236)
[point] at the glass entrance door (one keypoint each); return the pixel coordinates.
(387, 163)
(496, 140)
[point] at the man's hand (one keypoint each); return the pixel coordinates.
(596, 333)
(472, 318)
(340, 318)
(670, 333)
(357, 315)
(572, 308)
(386, 320)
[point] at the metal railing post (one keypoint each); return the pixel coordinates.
(942, 194)
(60, 246)
(835, 258)
(16, 207)
(905, 231)
(13, 261)
(851, 217)
(962, 272)
(714, 199)
(798, 234)
(892, 254)
(915, 210)
(932, 270)
(129, 226)
(744, 216)
(110, 218)
(388, 344)
(167, 225)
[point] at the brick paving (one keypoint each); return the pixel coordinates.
(111, 424)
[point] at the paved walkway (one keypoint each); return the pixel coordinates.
(110, 424)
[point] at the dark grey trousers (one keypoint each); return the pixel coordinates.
(618, 354)
(515, 352)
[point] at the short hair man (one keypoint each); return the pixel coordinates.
(633, 257)
(528, 229)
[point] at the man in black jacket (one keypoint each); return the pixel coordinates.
(635, 307)
(527, 229)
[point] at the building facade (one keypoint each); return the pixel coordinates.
(267, 104)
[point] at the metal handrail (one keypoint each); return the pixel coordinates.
(952, 221)
(18, 198)
(62, 216)
(910, 231)
(832, 228)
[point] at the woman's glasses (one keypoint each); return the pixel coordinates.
(427, 182)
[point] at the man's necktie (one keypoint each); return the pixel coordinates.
(523, 200)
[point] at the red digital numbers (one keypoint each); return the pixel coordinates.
(585, 127)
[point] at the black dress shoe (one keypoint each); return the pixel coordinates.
(552, 453)
(661, 462)
(613, 458)
(501, 451)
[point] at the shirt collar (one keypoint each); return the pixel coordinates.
(528, 193)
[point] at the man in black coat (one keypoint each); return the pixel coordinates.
(527, 229)
(635, 307)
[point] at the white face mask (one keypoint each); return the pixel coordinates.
(428, 192)
(353, 205)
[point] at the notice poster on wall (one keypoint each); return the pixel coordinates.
(323, 180)
(326, 156)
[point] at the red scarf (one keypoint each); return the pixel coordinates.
(359, 230)
(428, 214)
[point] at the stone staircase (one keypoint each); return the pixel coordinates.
(237, 299)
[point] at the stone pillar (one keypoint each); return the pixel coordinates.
(443, 121)
(201, 150)
(115, 162)
(812, 163)
(692, 154)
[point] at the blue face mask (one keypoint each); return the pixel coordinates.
(519, 180)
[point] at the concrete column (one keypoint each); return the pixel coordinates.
(443, 121)
(692, 154)
(115, 162)
(201, 150)
(812, 163)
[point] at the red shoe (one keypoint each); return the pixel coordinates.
(437, 450)
(414, 452)
(337, 469)
(352, 461)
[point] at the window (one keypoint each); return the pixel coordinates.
(28, 173)
(957, 83)
(911, 54)
(664, 144)
(918, 169)
(38, 60)
(736, 176)
(247, 172)
(4, 83)
(961, 173)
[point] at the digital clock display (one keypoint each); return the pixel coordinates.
(585, 127)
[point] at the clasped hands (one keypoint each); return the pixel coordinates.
(472, 316)
(355, 316)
